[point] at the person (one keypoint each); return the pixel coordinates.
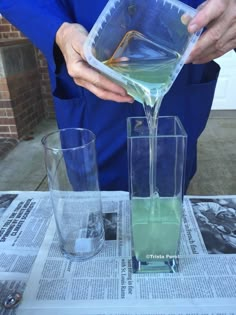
(85, 98)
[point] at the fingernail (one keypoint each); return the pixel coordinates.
(185, 19)
(193, 28)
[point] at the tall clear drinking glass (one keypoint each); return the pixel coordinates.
(156, 180)
(70, 160)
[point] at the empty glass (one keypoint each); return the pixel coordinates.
(70, 160)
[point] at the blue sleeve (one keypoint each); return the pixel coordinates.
(38, 20)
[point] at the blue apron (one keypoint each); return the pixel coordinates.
(189, 98)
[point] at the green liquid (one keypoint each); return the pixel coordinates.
(148, 68)
(148, 81)
(156, 228)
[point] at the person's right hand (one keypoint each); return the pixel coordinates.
(219, 19)
(70, 39)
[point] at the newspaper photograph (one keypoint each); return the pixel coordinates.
(216, 218)
(105, 284)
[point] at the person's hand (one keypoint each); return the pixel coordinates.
(219, 18)
(70, 39)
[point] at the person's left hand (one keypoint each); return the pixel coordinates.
(219, 18)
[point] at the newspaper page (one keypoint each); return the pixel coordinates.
(24, 219)
(205, 283)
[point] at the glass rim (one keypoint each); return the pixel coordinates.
(44, 139)
(183, 133)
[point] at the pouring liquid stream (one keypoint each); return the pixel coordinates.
(148, 68)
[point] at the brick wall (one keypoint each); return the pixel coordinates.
(9, 31)
(45, 85)
(37, 93)
(20, 91)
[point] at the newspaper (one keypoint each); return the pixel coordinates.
(24, 219)
(105, 285)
